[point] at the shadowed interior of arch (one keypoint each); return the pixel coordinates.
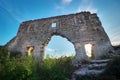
(59, 46)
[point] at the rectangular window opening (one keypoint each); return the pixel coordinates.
(54, 25)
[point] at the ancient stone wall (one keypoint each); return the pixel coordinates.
(80, 29)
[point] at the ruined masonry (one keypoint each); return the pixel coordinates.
(80, 29)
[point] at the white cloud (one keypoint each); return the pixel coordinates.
(16, 14)
(87, 8)
(63, 4)
(91, 9)
(115, 38)
(116, 43)
(87, 5)
(114, 34)
(59, 7)
(66, 1)
(50, 49)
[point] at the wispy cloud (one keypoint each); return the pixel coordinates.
(114, 34)
(86, 5)
(87, 8)
(50, 50)
(16, 14)
(66, 1)
(115, 37)
(63, 4)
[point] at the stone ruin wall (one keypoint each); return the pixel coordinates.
(80, 29)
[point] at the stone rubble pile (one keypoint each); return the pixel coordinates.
(94, 67)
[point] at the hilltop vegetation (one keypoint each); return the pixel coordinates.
(17, 68)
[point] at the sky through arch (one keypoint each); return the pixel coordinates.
(59, 46)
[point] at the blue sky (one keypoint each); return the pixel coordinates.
(13, 12)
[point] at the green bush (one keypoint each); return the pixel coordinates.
(4, 54)
(17, 70)
(27, 68)
(116, 47)
(55, 69)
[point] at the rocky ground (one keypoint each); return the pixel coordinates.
(94, 67)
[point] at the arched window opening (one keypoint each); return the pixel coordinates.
(59, 47)
(88, 49)
(30, 50)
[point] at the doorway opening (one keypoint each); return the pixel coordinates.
(30, 50)
(59, 47)
(89, 50)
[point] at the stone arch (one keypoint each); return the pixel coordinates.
(80, 54)
(79, 29)
(45, 43)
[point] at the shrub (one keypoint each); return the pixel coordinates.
(105, 56)
(17, 70)
(4, 53)
(15, 54)
(27, 68)
(116, 47)
(55, 69)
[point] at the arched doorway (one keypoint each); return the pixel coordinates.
(59, 46)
